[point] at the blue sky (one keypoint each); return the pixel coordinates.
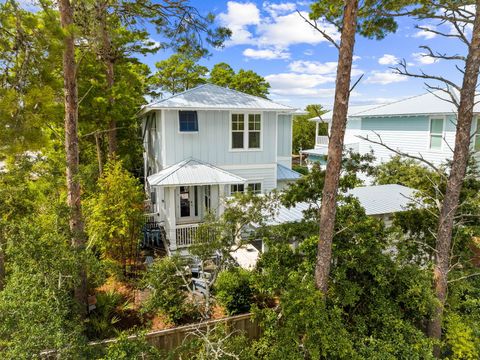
(270, 38)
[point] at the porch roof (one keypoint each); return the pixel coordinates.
(193, 172)
(284, 173)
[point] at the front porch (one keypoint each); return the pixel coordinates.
(183, 195)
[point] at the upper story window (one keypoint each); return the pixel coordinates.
(476, 138)
(246, 131)
(238, 129)
(436, 133)
(187, 121)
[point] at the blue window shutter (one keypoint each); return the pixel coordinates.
(188, 121)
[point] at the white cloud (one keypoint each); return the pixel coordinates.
(238, 17)
(280, 29)
(318, 68)
(356, 57)
(290, 80)
(313, 67)
(424, 33)
(384, 78)
(285, 30)
(151, 43)
(308, 52)
(275, 8)
(424, 59)
(266, 54)
(388, 59)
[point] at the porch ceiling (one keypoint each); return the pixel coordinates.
(193, 172)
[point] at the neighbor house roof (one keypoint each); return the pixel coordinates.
(321, 151)
(284, 173)
(376, 200)
(193, 172)
(431, 103)
(214, 97)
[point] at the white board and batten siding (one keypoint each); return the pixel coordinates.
(284, 140)
(408, 134)
(212, 144)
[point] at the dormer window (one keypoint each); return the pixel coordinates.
(187, 121)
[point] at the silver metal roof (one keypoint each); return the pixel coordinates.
(376, 200)
(214, 97)
(436, 102)
(321, 151)
(193, 172)
(284, 173)
(383, 199)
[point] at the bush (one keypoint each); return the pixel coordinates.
(234, 290)
(167, 291)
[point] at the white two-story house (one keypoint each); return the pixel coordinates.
(423, 125)
(206, 143)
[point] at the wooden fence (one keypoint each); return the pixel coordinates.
(170, 339)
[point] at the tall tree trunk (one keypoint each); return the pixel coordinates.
(71, 143)
(455, 180)
(335, 146)
(107, 57)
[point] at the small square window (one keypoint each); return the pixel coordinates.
(188, 121)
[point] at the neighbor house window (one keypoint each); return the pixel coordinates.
(255, 188)
(246, 131)
(254, 129)
(436, 133)
(237, 188)
(238, 130)
(188, 121)
(476, 144)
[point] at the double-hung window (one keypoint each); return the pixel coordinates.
(476, 143)
(187, 121)
(436, 133)
(237, 188)
(238, 130)
(246, 131)
(255, 188)
(254, 131)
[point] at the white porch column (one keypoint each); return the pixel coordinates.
(221, 199)
(214, 199)
(171, 216)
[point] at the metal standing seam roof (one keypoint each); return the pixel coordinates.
(436, 102)
(284, 173)
(193, 172)
(214, 97)
(376, 200)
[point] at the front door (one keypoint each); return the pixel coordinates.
(187, 204)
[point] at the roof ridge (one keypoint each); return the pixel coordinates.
(177, 94)
(255, 96)
(220, 87)
(391, 103)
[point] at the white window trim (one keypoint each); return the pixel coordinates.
(186, 132)
(245, 186)
(442, 145)
(476, 119)
(245, 131)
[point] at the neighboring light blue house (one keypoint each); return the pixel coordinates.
(421, 125)
(205, 144)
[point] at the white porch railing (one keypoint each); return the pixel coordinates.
(322, 140)
(185, 234)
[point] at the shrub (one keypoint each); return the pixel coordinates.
(167, 291)
(234, 290)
